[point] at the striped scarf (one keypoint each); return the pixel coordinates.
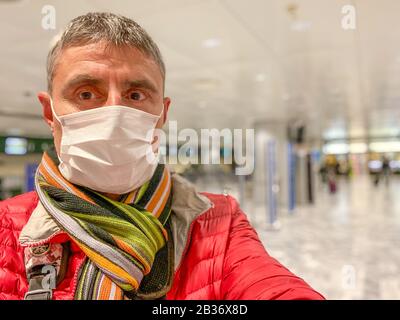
(120, 238)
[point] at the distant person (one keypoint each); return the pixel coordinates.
(323, 171)
(106, 217)
(332, 180)
(386, 169)
(384, 172)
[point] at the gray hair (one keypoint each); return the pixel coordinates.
(94, 27)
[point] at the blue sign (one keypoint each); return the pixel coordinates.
(292, 177)
(30, 171)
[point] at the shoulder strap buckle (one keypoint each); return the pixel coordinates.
(40, 294)
(41, 284)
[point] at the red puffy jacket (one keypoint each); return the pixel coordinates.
(218, 254)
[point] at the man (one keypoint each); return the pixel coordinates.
(106, 220)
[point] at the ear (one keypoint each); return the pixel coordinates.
(166, 102)
(44, 99)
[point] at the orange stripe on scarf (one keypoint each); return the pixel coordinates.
(130, 197)
(164, 201)
(106, 264)
(105, 289)
(160, 189)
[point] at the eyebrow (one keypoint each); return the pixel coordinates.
(79, 79)
(145, 84)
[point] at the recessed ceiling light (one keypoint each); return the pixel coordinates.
(261, 77)
(211, 43)
(301, 26)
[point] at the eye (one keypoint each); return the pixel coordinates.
(86, 95)
(137, 96)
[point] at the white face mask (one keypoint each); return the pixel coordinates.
(108, 149)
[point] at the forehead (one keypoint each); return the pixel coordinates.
(103, 60)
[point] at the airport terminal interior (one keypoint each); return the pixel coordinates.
(314, 83)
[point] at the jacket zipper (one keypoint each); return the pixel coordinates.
(75, 279)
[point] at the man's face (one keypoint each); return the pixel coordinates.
(95, 76)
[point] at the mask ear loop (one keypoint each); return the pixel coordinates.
(53, 111)
(162, 111)
(62, 128)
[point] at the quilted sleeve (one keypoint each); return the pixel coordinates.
(251, 274)
(13, 215)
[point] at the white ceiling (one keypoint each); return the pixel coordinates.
(270, 64)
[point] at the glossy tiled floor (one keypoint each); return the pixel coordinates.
(346, 245)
